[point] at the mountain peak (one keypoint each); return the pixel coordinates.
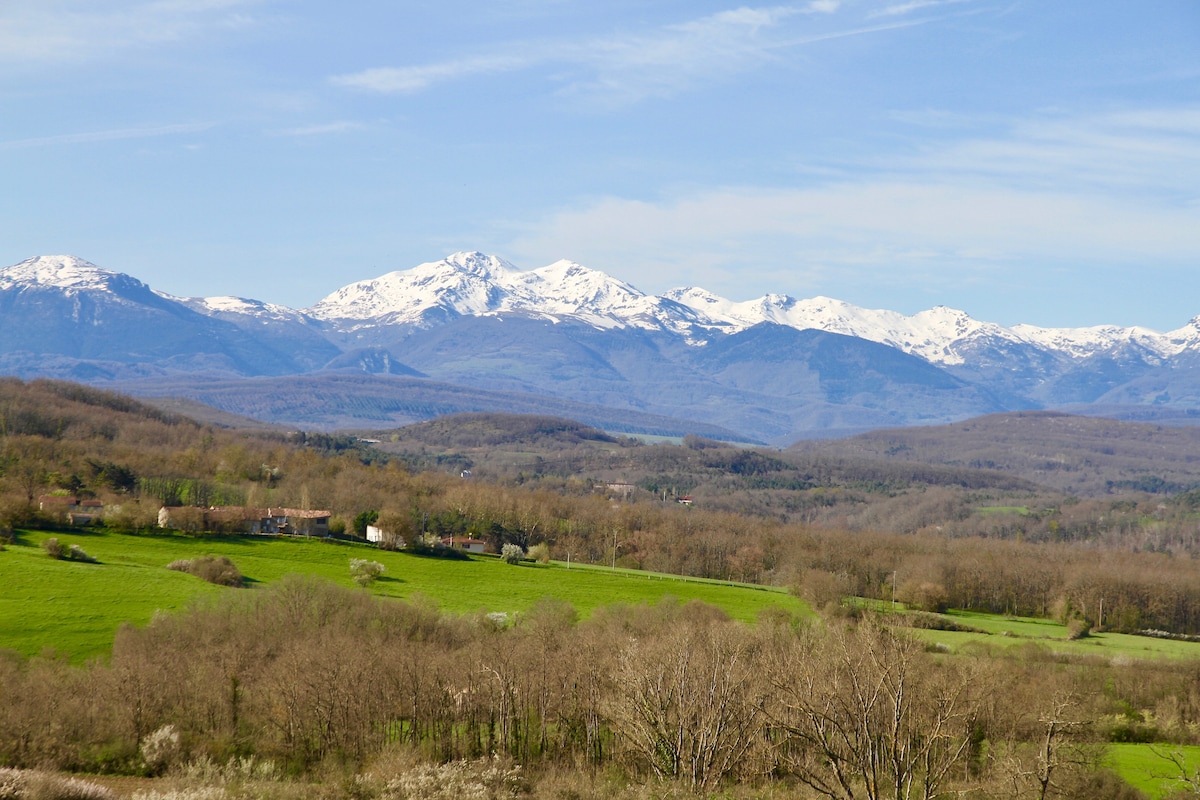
(62, 271)
(475, 263)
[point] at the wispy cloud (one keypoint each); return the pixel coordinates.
(78, 30)
(1110, 191)
(1150, 151)
(322, 129)
(402, 80)
(900, 9)
(106, 136)
(636, 65)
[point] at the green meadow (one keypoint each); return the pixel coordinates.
(1148, 767)
(1005, 632)
(75, 608)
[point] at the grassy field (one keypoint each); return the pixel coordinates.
(75, 608)
(1000, 631)
(1144, 766)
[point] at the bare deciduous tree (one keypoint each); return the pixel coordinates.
(865, 712)
(687, 702)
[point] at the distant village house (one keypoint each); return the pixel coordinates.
(466, 544)
(73, 510)
(241, 519)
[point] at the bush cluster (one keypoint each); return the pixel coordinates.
(217, 570)
(512, 553)
(56, 550)
(20, 784)
(364, 572)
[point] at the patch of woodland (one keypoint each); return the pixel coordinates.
(490, 430)
(1085, 456)
(828, 527)
(306, 677)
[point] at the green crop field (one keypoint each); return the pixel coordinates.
(1148, 767)
(75, 608)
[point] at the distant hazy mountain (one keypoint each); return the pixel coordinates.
(770, 368)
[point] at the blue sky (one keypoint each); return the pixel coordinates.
(1023, 161)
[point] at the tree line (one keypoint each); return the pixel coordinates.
(304, 673)
(1125, 563)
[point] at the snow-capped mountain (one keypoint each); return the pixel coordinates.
(936, 335)
(769, 367)
(238, 307)
(63, 316)
(474, 284)
(69, 276)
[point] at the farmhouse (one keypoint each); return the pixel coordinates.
(466, 543)
(242, 519)
(386, 538)
(74, 510)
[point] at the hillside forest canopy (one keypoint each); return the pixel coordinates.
(307, 675)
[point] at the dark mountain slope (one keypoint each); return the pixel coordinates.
(125, 329)
(338, 401)
(1082, 455)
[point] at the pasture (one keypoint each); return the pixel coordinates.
(1005, 632)
(75, 608)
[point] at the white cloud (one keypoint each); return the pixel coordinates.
(404, 80)
(634, 66)
(1115, 191)
(1154, 151)
(78, 30)
(321, 129)
(107, 136)
(900, 9)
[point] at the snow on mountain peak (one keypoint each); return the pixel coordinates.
(465, 283)
(1084, 342)
(477, 284)
(62, 272)
(240, 306)
(471, 283)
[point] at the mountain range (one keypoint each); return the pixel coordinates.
(773, 369)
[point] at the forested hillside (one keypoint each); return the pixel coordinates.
(829, 527)
(1085, 456)
(305, 675)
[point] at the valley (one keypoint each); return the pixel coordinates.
(947, 563)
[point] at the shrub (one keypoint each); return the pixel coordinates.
(512, 553)
(422, 547)
(161, 749)
(540, 553)
(365, 572)
(17, 784)
(1078, 628)
(924, 596)
(238, 769)
(457, 779)
(54, 548)
(193, 793)
(217, 570)
(77, 554)
(935, 622)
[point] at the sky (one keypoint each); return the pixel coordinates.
(1024, 161)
